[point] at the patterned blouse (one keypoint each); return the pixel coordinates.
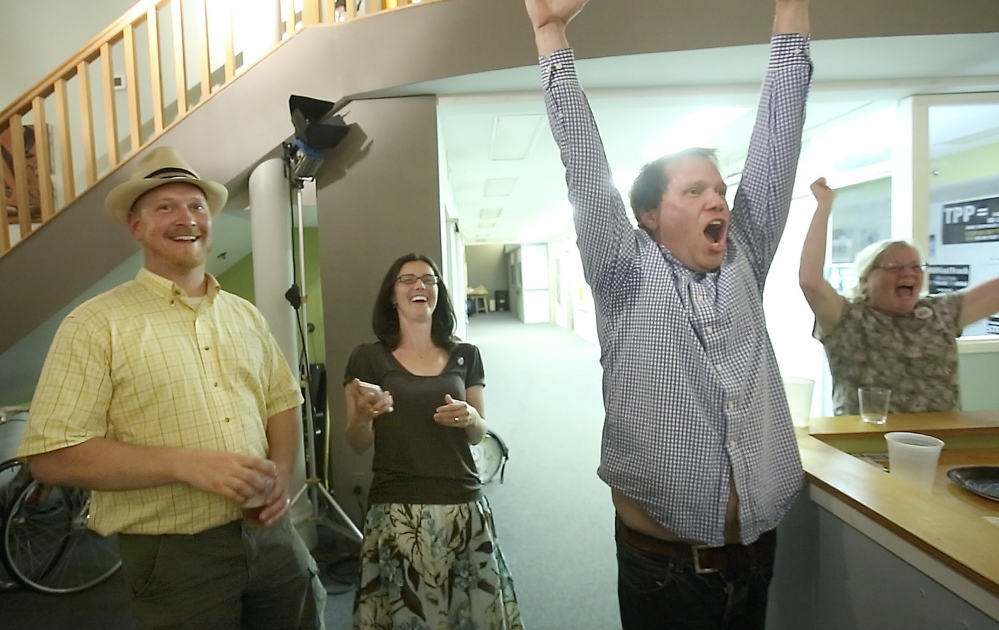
(913, 355)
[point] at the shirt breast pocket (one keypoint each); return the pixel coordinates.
(243, 361)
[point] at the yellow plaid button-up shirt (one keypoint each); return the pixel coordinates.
(139, 365)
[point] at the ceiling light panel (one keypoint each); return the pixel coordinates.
(701, 128)
(513, 136)
(499, 186)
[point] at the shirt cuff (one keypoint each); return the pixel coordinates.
(558, 67)
(788, 49)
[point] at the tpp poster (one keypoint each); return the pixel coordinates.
(975, 221)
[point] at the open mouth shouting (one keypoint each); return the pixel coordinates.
(716, 234)
(906, 294)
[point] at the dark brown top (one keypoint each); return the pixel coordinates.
(417, 460)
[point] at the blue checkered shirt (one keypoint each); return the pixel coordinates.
(693, 398)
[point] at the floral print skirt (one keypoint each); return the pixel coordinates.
(433, 567)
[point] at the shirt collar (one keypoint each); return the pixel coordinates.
(686, 274)
(169, 290)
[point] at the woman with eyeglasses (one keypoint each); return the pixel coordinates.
(430, 557)
(885, 334)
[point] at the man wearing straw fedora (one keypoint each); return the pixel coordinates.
(170, 400)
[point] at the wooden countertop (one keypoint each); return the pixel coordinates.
(941, 424)
(948, 522)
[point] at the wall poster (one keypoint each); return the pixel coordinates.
(975, 221)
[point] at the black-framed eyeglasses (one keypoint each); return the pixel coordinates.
(892, 268)
(408, 278)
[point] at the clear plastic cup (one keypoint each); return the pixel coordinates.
(255, 505)
(799, 399)
(874, 404)
(914, 456)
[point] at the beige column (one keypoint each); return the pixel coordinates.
(378, 198)
(270, 228)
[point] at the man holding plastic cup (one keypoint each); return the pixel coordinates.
(171, 401)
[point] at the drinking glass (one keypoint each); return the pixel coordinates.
(874, 404)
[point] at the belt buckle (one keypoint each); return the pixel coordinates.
(695, 551)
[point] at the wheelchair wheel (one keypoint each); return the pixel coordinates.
(13, 477)
(46, 543)
(490, 457)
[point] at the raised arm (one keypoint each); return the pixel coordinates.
(763, 199)
(821, 296)
(792, 17)
(549, 17)
(606, 239)
(980, 301)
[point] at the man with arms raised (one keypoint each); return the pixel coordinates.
(698, 446)
(170, 399)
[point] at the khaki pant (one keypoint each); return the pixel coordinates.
(233, 577)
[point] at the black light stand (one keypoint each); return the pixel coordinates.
(314, 485)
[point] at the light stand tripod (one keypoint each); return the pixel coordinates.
(313, 483)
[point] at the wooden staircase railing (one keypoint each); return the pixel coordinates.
(139, 77)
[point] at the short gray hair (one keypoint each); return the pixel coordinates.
(868, 258)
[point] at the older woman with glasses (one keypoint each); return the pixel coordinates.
(885, 334)
(430, 557)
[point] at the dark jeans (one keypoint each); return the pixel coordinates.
(232, 577)
(659, 592)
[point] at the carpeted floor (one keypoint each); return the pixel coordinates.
(553, 514)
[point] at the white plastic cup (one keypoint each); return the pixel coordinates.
(874, 404)
(799, 399)
(914, 456)
(255, 505)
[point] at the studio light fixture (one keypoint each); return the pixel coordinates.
(317, 129)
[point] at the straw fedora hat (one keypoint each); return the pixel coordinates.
(162, 165)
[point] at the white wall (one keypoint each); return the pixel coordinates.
(536, 307)
(42, 35)
(789, 319)
(573, 300)
(454, 268)
(487, 267)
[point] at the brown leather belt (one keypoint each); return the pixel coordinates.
(704, 559)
